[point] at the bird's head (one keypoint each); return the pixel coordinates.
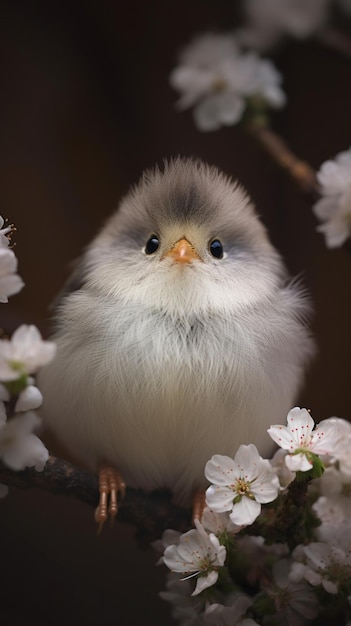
(186, 238)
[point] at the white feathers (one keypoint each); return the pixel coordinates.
(160, 365)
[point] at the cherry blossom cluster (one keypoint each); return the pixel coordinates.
(225, 571)
(223, 76)
(10, 282)
(20, 358)
(268, 22)
(221, 81)
(334, 207)
(225, 80)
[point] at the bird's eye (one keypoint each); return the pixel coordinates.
(152, 244)
(216, 249)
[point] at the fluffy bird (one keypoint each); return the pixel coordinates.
(179, 336)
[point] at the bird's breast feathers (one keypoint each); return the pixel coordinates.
(143, 389)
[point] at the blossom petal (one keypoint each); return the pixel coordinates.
(188, 550)
(26, 348)
(218, 109)
(217, 523)
(26, 452)
(217, 77)
(266, 487)
(173, 561)
(335, 231)
(8, 262)
(10, 282)
(248, 461)
(314, 578)
(297, 433)
(194, 83)
(282, 437)
(325, 438)
(298, 462)
(219, 551)
(195, 552)
(10, 285)
(203, 582)
(334, 177)
(329, 586)
(325, 208)
(322, 554)
(7, 373)
(221, 470)
(29, 399)
(300, 423)
(245, 512)
(220, 499)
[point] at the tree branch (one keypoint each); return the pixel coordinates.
(300, 171)
(150, 513)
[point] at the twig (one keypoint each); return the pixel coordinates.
(300, 171)
(150, 513)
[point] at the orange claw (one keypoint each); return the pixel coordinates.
(111, 484)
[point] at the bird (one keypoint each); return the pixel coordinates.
(180, 335)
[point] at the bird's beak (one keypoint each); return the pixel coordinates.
(182, 252)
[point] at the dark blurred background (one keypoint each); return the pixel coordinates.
(85, 106)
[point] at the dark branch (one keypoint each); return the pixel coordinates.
(150, 513)
(286, 522)
(300, 171)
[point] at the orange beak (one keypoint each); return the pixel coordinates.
(183, 252)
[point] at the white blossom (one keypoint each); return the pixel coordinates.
(186, 608)
(19, 447)
(231, 613)
(294, 601)
(335, 482)
(240, 485)
(323, 564)
(217, 79)
(218, 523)
(256, 554)
(24, 354)
(170, 537)
(301, 441)
(10, 282)
(285, 475)
(333, 511)
(334, 208)
(4, 239)
(341, 452)
(267, 21)
(197, 554)
(335, 517)
(29, 399)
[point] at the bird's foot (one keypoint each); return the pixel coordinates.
(111, 484)
(199, 504)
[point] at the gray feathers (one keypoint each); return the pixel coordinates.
(162, 364)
